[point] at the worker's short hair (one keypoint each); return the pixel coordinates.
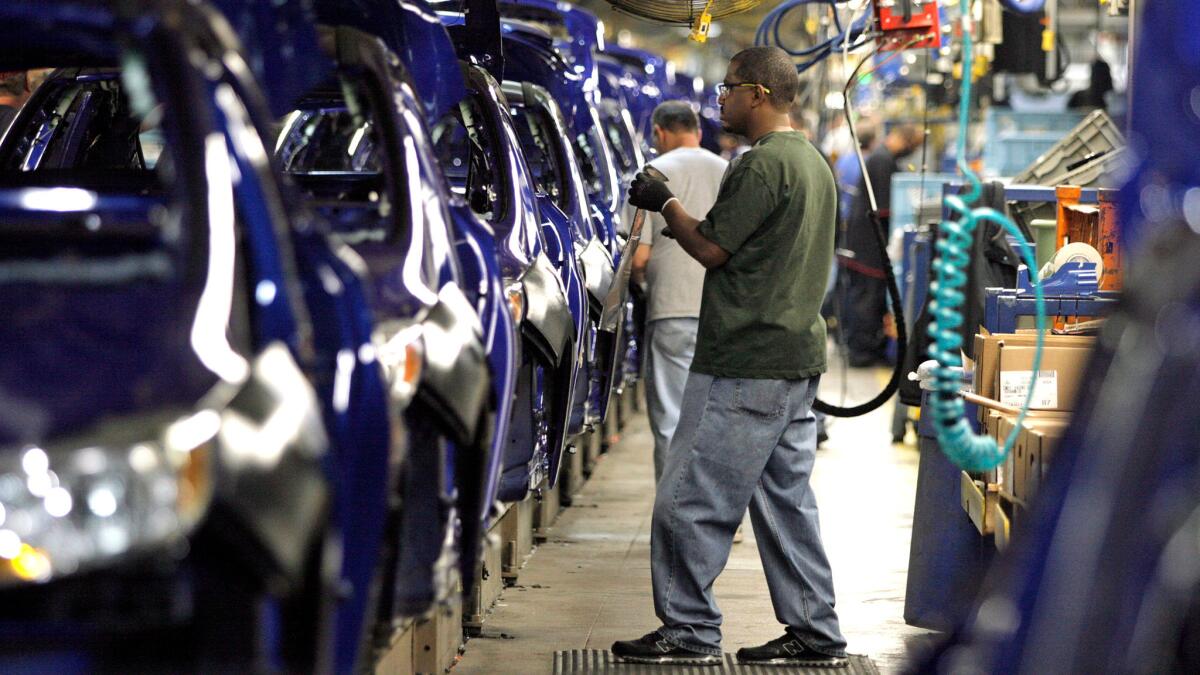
(772, 68)
(12, 82)
(911, 133)
(866, 133)
(676, 116)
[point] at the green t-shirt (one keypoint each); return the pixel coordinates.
(775, 215)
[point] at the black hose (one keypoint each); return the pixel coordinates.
(893, 292)
(901, 339)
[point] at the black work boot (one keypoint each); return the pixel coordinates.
(654, 648)
(788, 651)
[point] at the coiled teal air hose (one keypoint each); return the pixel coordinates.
(955, 436)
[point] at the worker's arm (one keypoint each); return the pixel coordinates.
(685, 230)
(641, 258)
(743, 204)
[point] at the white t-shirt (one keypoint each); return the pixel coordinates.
(674, 279)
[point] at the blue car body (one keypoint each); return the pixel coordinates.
(420, 294)
(647, 74)
(356, 146)
(560, 278)
(535, 60)
(508, 232)
(570, 242)
(547, 398)
(196, 293)
(580, 49)
(567, 68)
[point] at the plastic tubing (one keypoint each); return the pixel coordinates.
(770, 28)
(955, 436)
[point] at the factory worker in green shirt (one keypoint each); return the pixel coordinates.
(747, 435)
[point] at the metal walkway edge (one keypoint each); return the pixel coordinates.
(589, 661)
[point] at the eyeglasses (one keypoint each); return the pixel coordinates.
(724, 89)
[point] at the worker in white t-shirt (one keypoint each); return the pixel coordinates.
(673, 279)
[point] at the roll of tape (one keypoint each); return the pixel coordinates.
(1075, 251)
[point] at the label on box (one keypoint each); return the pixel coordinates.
(1014, 386)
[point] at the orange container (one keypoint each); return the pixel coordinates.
(1109, 242)
(1095, 226)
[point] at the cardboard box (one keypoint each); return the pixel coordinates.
(1004, 427)
(988, 347)
(1007, 470)
(991, 420)
(997, 425)
(1041, 442)
(1058, 381)
(1010, 476)
(1038, 435)
(989, 427)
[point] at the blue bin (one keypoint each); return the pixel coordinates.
(999, 122)
(1015, 139)
(907, 193)
(1009, 154)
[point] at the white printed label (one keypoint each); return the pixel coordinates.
(1014, 386)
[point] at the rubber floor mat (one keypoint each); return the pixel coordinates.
(579, 661)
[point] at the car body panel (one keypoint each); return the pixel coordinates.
(637, 72)
(519, 247)
(414, 274)
(595, 258)
(248, 248)
(524, 252)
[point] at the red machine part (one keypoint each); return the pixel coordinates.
(921, 31)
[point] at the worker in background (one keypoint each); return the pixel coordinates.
(14, 91)
(746, 434)
(865, 315)
(732, 146)
(801, 121)
(837, 141)
(673, 279)
(1100, 84)
(848, 171)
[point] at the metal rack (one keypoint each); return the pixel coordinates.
(1004, 306)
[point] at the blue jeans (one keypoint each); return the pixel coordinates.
(741, 443)
(672, 343)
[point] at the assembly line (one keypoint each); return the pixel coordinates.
(332, 330)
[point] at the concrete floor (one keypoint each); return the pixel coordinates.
(589, 584)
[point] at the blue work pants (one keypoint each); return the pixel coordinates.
(741, 443)
(672, 343)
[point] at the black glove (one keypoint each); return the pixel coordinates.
(649, 193)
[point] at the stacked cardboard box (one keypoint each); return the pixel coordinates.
(1003, 370)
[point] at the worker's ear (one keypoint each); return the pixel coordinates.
(760, 95)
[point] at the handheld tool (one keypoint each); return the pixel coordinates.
(615, 300)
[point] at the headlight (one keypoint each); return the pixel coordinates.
(400, 351)
(516, 301)
(133, 485)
